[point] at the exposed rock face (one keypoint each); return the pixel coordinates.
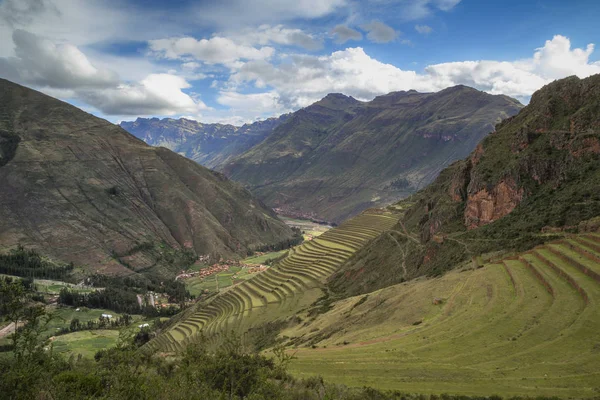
(484, 207)
(81, 189)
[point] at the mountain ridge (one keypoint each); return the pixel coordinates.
(83, 190)
(208, 144)
(338, 156)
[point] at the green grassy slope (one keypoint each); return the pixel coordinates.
(339, 156)
(522, 325)
(535, 178)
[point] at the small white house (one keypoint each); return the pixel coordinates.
(143, 326)
(109, 316)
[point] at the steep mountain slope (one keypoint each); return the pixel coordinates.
(81, 189)
(537, 175)
(340, 156)
(208, 144)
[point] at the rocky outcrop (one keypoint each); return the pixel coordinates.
(484, 207)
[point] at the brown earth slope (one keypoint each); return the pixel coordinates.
(81, 189)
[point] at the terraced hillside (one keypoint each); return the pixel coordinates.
(292, 284)
(523, 325)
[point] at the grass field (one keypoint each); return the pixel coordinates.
(86, 343)
(48, 286)
(262, 259)
(527, 325)
(279, 292)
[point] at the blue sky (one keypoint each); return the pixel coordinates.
(240, 60)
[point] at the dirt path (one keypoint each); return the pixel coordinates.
(7, 330)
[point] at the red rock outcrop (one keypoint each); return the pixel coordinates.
(484, 207)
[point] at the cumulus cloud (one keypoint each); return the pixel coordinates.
(62, 70)
(343, 33)
(305, 79)
(379, 32)
(39, 61)
(423, 29)
(157, 94)
(216, 50)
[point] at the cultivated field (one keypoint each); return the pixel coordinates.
(292, 284)
(525, 325)
(86, 343)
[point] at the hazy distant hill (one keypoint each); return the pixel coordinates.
(537, 174)
(81, 189)
(339, 156)
(208, 144)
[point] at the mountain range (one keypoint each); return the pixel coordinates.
(210, 145)
(82, 190)
(339, 156)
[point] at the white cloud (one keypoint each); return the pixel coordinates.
(157, 94)
(252, 104)
(227, 13)
(418, 9)
(39, 61)
(308, 78)
(423, 29)
(379, 32)
(266, 34)
(556, 59)
(304, 79)
(83, 23)
(62, 70)
(343, 33)
(216, 50)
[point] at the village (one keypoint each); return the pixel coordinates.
(223, 266)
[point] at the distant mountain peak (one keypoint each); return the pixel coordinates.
(337, 101)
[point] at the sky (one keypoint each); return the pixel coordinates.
(237, 61)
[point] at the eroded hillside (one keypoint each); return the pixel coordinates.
(81, 189)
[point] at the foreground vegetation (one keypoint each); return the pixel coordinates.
(34, 370)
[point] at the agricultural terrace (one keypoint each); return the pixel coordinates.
(526, 325)
(280, 290)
